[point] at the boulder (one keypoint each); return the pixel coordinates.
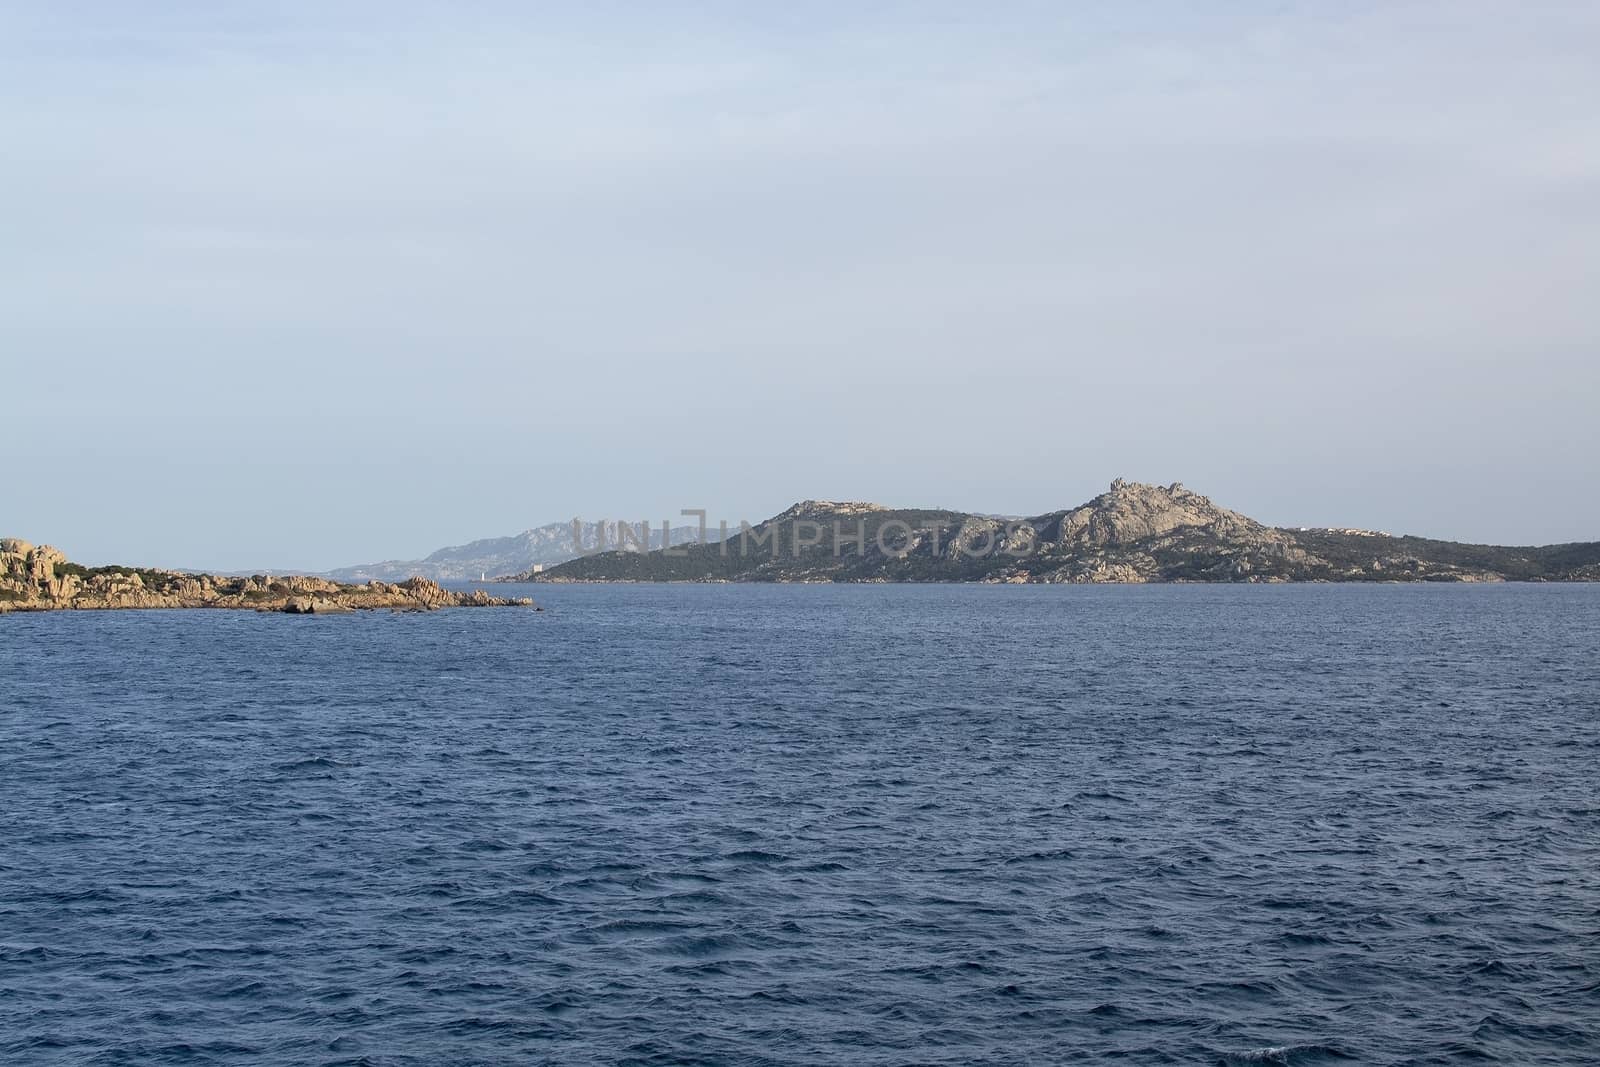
(305, 605)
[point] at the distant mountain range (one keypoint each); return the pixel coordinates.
(1131, 533)
(543, 546)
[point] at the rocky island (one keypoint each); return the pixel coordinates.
(1131, 533)
(40, 578)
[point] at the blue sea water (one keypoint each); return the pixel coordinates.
(773, 825)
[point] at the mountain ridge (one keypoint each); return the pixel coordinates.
(495, 557)
(1133, 532)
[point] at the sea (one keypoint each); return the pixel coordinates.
(830, 824)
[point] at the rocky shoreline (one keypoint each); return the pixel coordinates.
(41, 578)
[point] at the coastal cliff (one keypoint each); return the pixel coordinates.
(1133, 532)
(41, 578)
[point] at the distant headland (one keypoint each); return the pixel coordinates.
(1131, 533)
(40, 578)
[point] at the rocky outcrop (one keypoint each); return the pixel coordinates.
(1131, 513)
(1149, 533)
(40, 578)
(828, 509)
(308, 605)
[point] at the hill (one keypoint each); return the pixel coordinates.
(543, 546)
(1131, 533)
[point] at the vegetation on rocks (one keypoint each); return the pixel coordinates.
(1131, 533)
(40, 578)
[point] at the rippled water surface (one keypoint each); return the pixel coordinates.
(760, 825)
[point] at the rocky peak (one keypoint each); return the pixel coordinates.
(808, 509)
(1134, 511)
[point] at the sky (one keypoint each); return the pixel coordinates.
(303, 285)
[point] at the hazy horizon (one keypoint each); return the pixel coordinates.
(713, 517)
(310, 287)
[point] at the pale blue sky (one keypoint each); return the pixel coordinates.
(306, 284)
